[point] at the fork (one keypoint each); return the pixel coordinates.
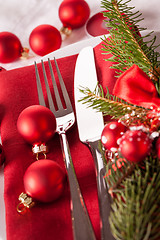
(65, 118)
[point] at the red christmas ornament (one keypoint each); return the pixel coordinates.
(37, 124)
(10, 47)
(135, 145)
(45, 39)
(111, 133)
(96, 25)
(44, 180)
(74, 13)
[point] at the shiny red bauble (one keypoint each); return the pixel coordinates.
(37, 124)
(74, 13)
(44, 180)
(10, 47)
(135, 145)
(45, 39)
(111, 133)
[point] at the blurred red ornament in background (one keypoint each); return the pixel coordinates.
(74, 13)
(96, 25)
(10, 47)
(45, 39)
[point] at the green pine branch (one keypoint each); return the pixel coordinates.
(136, 198)
(126, 44)
(135, 188)
(135, 214)
(114, 106)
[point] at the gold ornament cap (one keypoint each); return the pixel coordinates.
(25, 202)
(66, 31)
(25, 53)
(38, 149)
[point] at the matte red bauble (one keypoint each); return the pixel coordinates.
(37, 124)
(10, 47)
(44, 180)
(135, 145)
(45, 39)
(74, 13)
(111, 133)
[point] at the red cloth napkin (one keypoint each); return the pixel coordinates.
(44, 221)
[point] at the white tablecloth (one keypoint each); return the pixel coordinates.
(21, 17)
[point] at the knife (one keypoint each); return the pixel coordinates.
(90, 125)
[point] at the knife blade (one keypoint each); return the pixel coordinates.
(90, 125)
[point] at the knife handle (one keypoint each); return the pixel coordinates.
(82, 227)
(103, 195)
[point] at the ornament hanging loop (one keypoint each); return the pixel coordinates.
(37, 156)
(21, 208)
(39, 149)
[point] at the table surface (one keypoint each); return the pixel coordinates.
(21, 18)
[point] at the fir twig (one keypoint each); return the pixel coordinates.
(128, 171)
(135, 210)
(135, 214)
(126, 44)
(113, 106)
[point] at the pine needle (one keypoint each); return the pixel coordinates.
(126, 44)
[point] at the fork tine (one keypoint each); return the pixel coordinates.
(64, 90)
(39, 87)
(50, 101)
(56, 92)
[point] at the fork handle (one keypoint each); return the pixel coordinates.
(103, 195)
(82, 227)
